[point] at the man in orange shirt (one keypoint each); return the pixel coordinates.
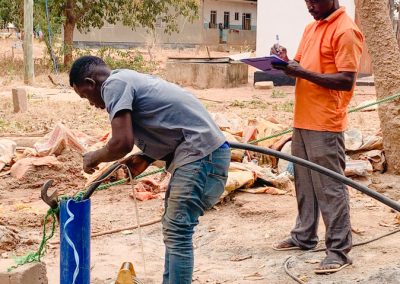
(326, 67)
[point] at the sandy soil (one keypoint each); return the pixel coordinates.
(233, 241)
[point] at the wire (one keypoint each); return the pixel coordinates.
(289, 259)
(137, 216)
(291, 275)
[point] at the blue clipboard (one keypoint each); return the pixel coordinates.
(265, 63)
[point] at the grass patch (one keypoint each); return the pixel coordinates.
(278, 94)
(253, 104)
(286, 107)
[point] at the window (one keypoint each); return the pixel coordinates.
(236, 16)
(246, 21)
(213, 20)
(226, 20)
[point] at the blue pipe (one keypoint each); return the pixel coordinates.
(75, 242)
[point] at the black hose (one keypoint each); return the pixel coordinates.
(380, 197)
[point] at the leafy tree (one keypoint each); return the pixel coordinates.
(12, 12)
(87, 14)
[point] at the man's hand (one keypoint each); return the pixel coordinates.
(292, 69)
(136, 164)
(279, 51)
(90, 162)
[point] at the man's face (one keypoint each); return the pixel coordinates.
(320, 9)
(89, 90)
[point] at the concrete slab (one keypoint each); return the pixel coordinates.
(205, 75)
(267, 85)
(32, 273)
(366, 81)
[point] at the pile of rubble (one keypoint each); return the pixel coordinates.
(58, 156)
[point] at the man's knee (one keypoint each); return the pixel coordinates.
(177, 233)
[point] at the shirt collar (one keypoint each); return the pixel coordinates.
(332, 17)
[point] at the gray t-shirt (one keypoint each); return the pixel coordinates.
(167, 120)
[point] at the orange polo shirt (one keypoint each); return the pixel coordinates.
(328, 46)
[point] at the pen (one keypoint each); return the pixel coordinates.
(277, 46)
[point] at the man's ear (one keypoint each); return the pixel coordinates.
(90, 82)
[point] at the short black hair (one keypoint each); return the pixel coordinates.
(83, 68)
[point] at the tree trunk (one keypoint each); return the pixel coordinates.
(69, 26)
(384, 50)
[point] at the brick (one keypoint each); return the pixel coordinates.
(32, 273)
(20, 100)
(265, 85)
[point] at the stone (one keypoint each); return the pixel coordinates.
(8, 239)
(265, 85)
(20, 100)
(32, 273)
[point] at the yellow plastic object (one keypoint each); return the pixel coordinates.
(126, 274)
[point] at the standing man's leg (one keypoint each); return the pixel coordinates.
(327, 149)
(194, 188)
(304, 233)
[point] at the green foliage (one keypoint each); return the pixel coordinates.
(87, 14)
(286, 107)
(12, 12)
(278, 94)
(120, 59)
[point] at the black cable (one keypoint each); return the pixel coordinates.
(298, 280)
(380, 197)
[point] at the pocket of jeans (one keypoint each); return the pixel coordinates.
(213, 189)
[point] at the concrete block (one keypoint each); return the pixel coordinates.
(20, 100)
(205, 75)
(32, 273)
(267, 85)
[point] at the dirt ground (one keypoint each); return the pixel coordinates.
(233, 241)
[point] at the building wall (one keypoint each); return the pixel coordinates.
(191, 34)
(234, 37)
(287, 19)
(233, 7)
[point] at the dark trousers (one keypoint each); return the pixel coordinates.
(318, 193)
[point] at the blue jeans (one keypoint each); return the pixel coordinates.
(194, 188)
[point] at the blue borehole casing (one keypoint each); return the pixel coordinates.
(75, 242)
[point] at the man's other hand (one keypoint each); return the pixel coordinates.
(292, 69)
(90, 162)
(279, 51)
(136, 164)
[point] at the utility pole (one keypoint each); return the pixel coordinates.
(28, 42)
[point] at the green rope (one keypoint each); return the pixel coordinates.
(272, 136)
(80, 194)
(35, 256)
(384, 100)
(378, 102)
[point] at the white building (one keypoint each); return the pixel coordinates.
(238, 19)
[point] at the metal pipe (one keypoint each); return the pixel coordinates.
(371, 193)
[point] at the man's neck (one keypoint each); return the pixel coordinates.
(335, 7)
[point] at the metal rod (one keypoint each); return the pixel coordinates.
(99, 180)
